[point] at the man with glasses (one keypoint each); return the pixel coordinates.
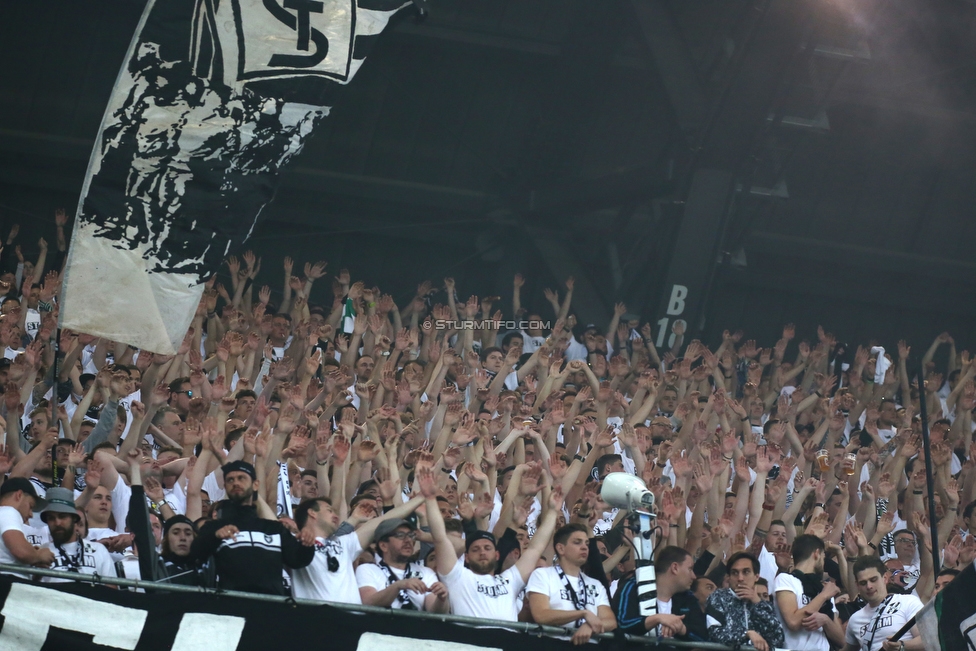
(904, 567)
(396, 582)
(180, 392)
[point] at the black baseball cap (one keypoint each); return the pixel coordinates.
(239, 466)
(15, 484)
(476, 536)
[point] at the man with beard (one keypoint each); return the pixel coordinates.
(563, 595)
(394, 581)
(805, 602)
(71, 553)
(476, 590)
(250, 552)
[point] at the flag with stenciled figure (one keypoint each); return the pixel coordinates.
(213, 99)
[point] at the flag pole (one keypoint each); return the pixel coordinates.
(929, 480)
(55, 398)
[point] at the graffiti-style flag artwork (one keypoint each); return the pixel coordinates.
(213, 100)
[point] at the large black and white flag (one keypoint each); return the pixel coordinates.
(71, 617)
(214, 98)
(948, 622)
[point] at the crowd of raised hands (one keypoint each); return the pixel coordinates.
(745, 446)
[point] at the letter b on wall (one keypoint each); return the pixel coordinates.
(676, 304)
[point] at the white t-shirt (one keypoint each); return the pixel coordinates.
(802, 639)
(605, 523)
(37, 536)
(176, 498)
(32, 323)
(531, 344)
(890, 615)
(11, 353)
(531, 522)
(663, 608)
(35, 522)
(10, 520)
(121, 495)
(767, 565)
(373, 576)
(489, 596)
(100, 533)
(86, 557)
(590, 593)
(316, 581)
(88, 359)
(214, 491)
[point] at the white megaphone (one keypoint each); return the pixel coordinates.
(625, 491)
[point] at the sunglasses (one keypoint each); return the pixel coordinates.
(189, 394)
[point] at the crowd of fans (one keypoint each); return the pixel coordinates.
(420, 457)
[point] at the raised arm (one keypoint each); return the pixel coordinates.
(517, 295)
(366, 530)
(530, 559)
(446, 556)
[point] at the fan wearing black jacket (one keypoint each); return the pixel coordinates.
(250, 552)
(678, 613)
(176, 563)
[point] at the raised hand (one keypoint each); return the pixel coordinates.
(315, 271)
(426, 482)
(886, 524)
(76, 456)
(530, 481)
(340, 448)
(763, 463)
(93, 474)
(818, 525)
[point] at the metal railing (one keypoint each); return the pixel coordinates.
(517, 627)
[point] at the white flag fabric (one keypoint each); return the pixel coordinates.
(213, 99)
(284, 491)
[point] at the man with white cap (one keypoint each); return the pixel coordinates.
(394, 581)
(18, 500)
(71, 554)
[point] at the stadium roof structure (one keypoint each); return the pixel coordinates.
(815, 157)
